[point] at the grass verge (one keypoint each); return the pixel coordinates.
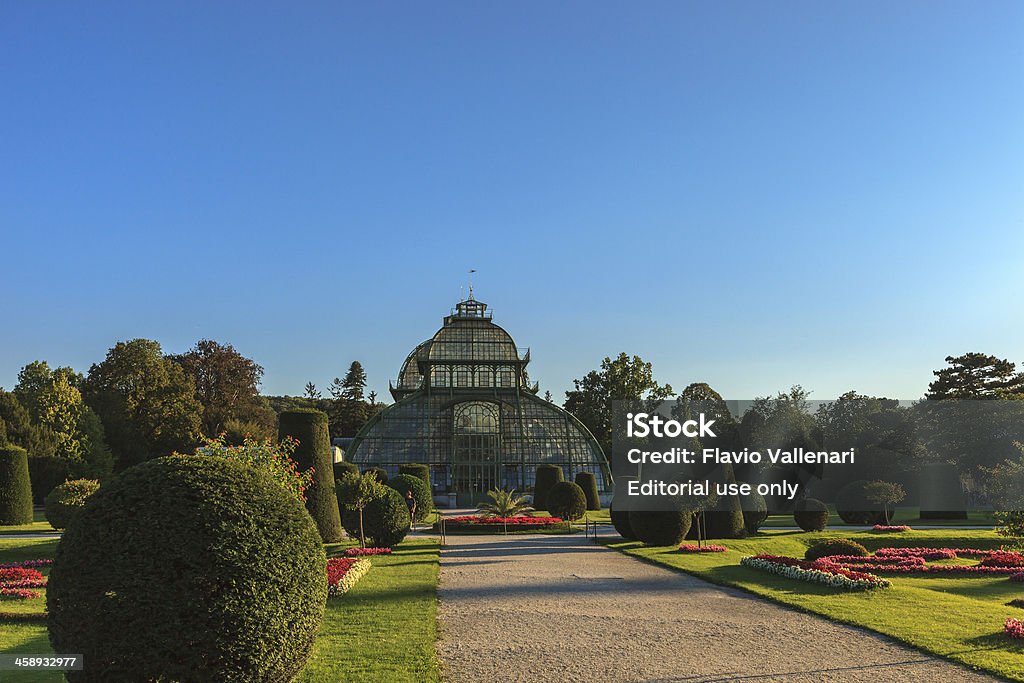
(959, 618)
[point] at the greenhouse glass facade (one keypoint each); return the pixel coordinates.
(464, 405)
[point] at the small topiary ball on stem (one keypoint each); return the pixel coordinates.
(188, 568)
(810, 514)
(567, 500)
(65, 501)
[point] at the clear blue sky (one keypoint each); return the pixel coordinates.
(745, 193)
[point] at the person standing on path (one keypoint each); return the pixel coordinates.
(410, 503)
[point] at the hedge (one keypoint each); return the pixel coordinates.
(379, 472)
(588, 482)
(314, 450)
(47, 472)
(810, 514)
(417, 470)
(404, 483)
(620, 520)
(15, 487)
(835, 546)
(343, 466)
(853, 507)
(188, 568)
(546, 477)
(660, 527)
(67, 500)
(755, 511)
(566, 500)
(385, 520)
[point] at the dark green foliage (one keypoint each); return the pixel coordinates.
(566, 500)
(588, 482)
(620, 520)
(15, 487)
(546, 477)
(853, 506)
(309, 427)
(723, 520)
(810, 514)
(835, 546)
(65, 501)
(417, 470)
(661, 527)
(46, 473)
(340, 468)
(755, 511)
(37, 439)
(385, 520)
(200, 569)
(379, 473)
(404, 483)
(940, 491)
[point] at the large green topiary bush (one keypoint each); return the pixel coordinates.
(755, 511)
(546, 477)
(810, 514)
(379, 473)
(188, 568)
(385, 520)
(417, 470)
(661, 527)
(835, 546)
(404, 483)
(309, 427)
(853, 507)
(47, 472)
(567, 500)
(620, 520)
(588, 482)
(941, 493)
(67, 500)
(15, 487)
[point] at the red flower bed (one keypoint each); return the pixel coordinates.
(27, 564)
(15, 582)
(362, 552)
(885, 528)
(344, 572)
(1013, 628)
(913, 561)
(510, 521)
(694, 548)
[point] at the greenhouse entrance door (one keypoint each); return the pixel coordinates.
(476, 449)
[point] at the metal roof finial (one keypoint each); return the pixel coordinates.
(471, 271)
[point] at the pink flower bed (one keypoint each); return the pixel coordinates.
(15, 582)
(891, 528)
(914, 561)
(1014, 628)
(27, 564)
(510, 521)
(694, 548)
(362, 552)
(815, 571)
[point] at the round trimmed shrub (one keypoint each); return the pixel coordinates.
(620, 520)
(567, 500)
(546, 477)
(810, 514)
(404, 483)
(344, 466)
(660, 527)
(66, 501)
(835, 546)
(15, 487)
(588, 482)
(200, 569)
(853, 507)
(47, 472)
(755, 511)
(417, 470)
(941, 494)
(385, 520)
(379, 472)
(723, 520)
(314, 450)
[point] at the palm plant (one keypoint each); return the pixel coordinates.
(504, 504)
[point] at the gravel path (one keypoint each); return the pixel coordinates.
(561, 608)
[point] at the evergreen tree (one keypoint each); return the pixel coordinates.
(355, 382)
(976, 376)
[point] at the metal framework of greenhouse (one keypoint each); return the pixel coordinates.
(465, 407)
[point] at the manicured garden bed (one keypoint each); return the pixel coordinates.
(478, 524)
(957, 616)
(383, 629)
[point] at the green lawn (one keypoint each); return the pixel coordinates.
(903, 515)
(958, 618)
(384, 629)
(38, 525)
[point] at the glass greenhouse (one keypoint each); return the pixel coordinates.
(464, 406)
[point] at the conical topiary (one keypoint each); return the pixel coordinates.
(309, 427)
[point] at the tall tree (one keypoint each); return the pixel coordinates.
(227, 385)
(975, 376)
(311, 391)
(146, 402)
(624, 378)
(37, 439)
(355, 382)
